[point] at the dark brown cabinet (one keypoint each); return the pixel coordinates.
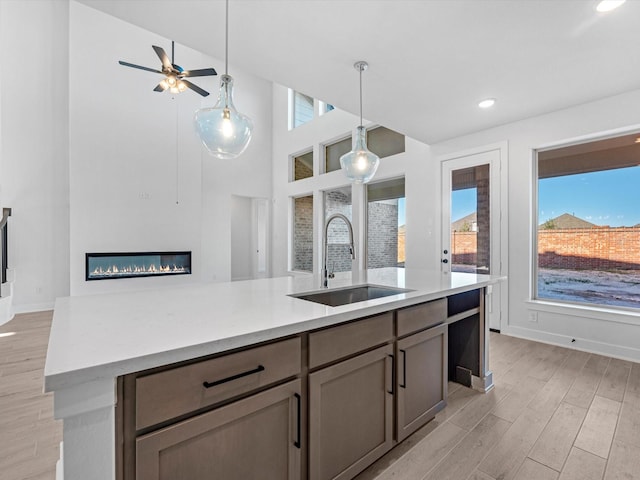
(256, 437)
(350, 414)
(421, 377)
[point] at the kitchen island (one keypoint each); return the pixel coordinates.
(98, 340)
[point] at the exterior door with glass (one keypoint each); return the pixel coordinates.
(471, 220)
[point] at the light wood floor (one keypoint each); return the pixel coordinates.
(555, 413)
(29, 436)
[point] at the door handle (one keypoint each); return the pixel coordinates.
(404, 369)
(393, 375)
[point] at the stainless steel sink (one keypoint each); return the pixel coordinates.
(345, 296)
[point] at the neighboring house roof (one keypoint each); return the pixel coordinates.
(469, 220)
(566, 220)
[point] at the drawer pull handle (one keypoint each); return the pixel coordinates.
(297, 443)
(259, 368)
(404, 369)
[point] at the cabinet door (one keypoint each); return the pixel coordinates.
(350, 415)
(421, 378)
(257, 437)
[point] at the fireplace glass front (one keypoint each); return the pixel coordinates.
(103, 266)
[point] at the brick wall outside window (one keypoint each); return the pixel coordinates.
(572, 249)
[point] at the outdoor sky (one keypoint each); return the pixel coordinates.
(610, 197)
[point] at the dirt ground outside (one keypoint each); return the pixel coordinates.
(620, 288)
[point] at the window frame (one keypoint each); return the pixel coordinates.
(622, 314)
(292, 166)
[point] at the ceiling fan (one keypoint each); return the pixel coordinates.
(174, 74)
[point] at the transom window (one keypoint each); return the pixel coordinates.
(302, 165)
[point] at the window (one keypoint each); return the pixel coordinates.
(302, 109)
(333, 152)
(302, 165)
(302, 248)
(386, 224)
(471, 219)
(384, 142)
(339, 256)
(588, 232)
(325, 107)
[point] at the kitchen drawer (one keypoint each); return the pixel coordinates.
(337, 342)
(419, 317)
(171, 393)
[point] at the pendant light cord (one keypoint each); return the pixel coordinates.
(226, 40)
(360, 95)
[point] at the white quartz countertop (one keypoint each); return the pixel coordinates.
(103, 336)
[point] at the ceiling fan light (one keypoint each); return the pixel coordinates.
(608, 5)
(223, 130)
(360, 164)
(181, 86)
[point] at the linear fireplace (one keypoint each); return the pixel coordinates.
(103, 266)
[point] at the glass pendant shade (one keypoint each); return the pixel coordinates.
(223, 130)
(360, 164)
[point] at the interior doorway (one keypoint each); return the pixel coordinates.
(249, 238)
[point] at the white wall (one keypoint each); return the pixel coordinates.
(34, 148)
(608, 332)
(140, 179)
(88, 152)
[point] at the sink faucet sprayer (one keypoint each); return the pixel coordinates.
(324, 275)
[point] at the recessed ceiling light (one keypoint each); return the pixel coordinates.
(637, 140)
(608, 5)
(8, 334)
(487, 103)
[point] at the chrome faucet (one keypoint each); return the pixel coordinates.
(324, 274)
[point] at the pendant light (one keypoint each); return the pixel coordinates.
(224, 131)
(360, 164)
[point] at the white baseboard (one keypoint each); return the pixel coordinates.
(33, 307)
(582, 344)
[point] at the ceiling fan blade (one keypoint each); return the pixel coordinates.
(195, 88)
(166, 63)
(203, 72)
(127, 64)
(160, 87)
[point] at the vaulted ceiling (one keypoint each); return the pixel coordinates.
(431, 61)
